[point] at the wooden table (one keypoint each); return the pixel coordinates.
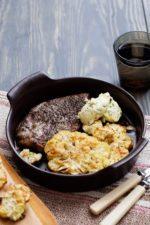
(67, 38)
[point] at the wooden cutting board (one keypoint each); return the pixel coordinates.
(36, 211)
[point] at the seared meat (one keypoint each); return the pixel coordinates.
(47, 118)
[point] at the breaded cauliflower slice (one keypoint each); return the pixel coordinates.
(102, 133)
(22, 189)
(12, 207)
(121, 138)
(13, 202)
(30, 157)
(115, 135)
(103, 107)
(3, 176)
(75, 153)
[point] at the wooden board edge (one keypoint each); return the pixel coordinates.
(45, 216)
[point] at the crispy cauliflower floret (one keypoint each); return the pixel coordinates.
(121, 138)
(22, 189)
(102, 133)
(30, 157)
(114, 134)
(3, 176)
(75, 153)
(13, 202)
(12, 207)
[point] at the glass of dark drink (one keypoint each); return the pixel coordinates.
(132, 51)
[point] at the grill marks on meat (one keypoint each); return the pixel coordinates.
(47, 118)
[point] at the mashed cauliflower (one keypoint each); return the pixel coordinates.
(103, 107)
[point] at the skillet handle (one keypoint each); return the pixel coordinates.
(26, 86)
(143, 142)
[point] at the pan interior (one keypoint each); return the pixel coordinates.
(59, 88)
(124, 120)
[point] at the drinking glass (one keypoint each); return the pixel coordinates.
(132, 51)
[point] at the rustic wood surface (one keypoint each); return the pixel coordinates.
(67, 38)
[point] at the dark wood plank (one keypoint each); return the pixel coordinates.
(146, 6)
(127, 16)
(64, 38)
(145, 97)
(122, 16)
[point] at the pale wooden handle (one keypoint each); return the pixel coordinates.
(115, 194)
(115, 216)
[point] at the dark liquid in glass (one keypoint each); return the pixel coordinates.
(136, 54)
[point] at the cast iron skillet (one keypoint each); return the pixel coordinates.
(39, 87)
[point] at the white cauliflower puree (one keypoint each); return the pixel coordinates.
(104, 107)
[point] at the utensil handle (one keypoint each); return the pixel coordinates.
(115, 216)
(115, 194)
